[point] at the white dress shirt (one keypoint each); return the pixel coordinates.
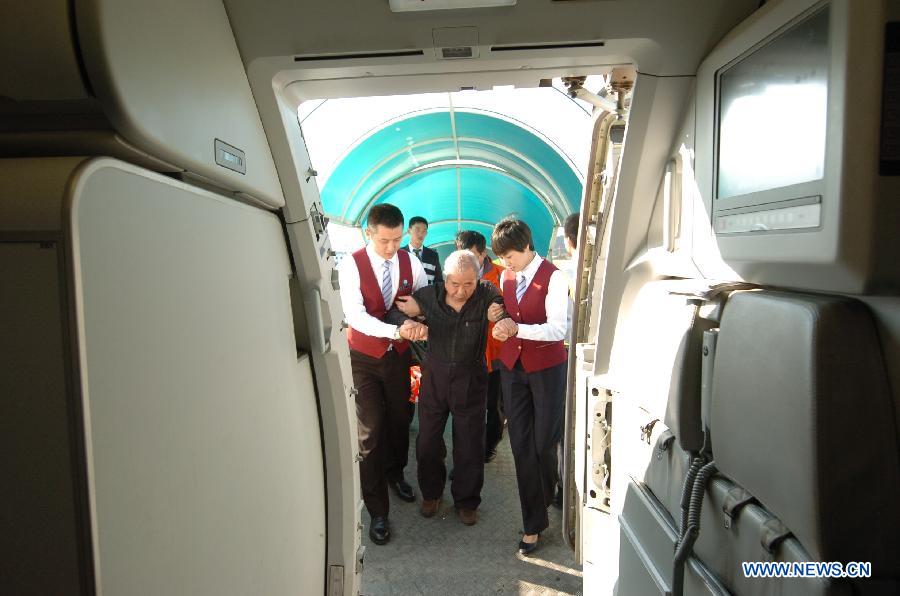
(556, 304)
(351, 295)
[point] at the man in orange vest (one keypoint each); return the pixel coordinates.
(371, 280)
(476, 243)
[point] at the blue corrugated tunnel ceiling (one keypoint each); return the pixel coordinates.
(459, 169)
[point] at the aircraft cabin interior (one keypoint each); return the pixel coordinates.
(177, 409)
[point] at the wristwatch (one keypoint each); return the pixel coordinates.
(397, 336)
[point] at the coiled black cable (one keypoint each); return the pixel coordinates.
(686, 487)
(689, 536)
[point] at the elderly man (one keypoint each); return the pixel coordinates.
(454, 380)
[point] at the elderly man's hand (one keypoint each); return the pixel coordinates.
(505, 329)
(408, 306)
(495, 312)
(413, 331)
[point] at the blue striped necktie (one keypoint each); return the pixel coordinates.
(520, 289)
(386, 286)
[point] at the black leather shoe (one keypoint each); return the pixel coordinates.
(403, 490)
(379, 531)
(526, 548)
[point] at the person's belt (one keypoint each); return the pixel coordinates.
(445, 362)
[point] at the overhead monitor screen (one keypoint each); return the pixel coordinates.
(772, 112)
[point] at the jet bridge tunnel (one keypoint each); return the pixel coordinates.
(460, 169)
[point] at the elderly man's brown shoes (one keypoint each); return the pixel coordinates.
(430, 507)
(467, 516)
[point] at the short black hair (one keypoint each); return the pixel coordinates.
(418, 219)
(467, 239)
(385, 215)
(570, 228)
(511, 234)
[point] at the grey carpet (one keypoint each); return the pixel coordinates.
(442, 556)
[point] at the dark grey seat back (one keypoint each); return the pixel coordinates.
(803, 419)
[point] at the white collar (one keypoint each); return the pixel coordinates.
(529, 271)
(377, 258)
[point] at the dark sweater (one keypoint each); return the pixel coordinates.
(453, 337)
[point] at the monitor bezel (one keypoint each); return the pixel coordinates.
(807, 192)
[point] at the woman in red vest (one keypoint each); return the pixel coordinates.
(371, 280)
(533, 370)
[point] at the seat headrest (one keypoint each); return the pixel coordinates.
(802, 417)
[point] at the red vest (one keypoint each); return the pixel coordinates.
(370, 287)
(535, 354)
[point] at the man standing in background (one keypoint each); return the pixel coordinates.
(476, 243)
(371, 280)
(570, 230)
(418, 230)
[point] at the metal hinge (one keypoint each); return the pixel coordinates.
(647, 430)
(319, 221)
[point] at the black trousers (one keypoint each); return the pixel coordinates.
(494, 426)
(383, 415)
(534, 404)
(461, 390)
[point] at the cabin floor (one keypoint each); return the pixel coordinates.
(440, 555)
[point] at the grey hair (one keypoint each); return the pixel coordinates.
(459, 260)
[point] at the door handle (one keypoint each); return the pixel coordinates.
(318, 333)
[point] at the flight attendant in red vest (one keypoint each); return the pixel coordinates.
(371, 280)
(533, 370)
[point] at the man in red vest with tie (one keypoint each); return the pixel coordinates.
(533, 371)
(371, 280)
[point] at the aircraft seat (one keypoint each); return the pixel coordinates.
(805, 444)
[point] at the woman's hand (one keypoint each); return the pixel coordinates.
(505, 329)
(495, 312)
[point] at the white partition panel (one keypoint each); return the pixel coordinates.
(204, 453)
